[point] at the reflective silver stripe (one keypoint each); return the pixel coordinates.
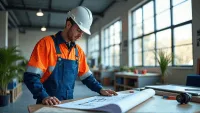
(35, 70)
(51, 68)
(85, 75)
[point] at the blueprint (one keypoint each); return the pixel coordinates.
(94, 102)
(113, 104)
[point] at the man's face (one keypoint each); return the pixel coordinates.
(74, 33)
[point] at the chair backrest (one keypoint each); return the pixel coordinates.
(193, 80)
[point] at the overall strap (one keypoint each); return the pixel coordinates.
(76, 54)
(56, 46)
(77, 57)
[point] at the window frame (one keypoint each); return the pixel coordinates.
(171, 27)
(106, 54)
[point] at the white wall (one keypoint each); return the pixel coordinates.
(3, 28)
(13, 37)
(28, 40)
(121, 9)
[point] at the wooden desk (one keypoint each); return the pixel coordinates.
(154, 104)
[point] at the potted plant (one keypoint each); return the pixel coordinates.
(8, 69)
(124, 69)
(164, 60)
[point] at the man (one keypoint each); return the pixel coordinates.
(56, 61)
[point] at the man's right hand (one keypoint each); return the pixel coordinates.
(50, 101)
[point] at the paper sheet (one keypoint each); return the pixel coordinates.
(93, 102)
(58, 110)
(114, 104)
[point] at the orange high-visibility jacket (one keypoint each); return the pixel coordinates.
(43, 58)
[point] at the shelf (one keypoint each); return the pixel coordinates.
(127, 81)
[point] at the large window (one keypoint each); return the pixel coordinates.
(166, 25)
(93, 48)
(111, 44)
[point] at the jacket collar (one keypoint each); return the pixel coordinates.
(61, 39)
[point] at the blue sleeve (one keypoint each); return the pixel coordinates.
(92, 83)
(33, 83)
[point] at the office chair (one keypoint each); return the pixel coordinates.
(194, 79)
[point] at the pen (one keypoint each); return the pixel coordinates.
(192, 89)
(169, 97)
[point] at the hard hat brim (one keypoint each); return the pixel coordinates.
(84, 30)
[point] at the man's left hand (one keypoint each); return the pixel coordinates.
(107, 92)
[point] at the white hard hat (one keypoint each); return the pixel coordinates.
(82, 16)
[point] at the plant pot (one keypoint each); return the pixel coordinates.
(162, 79)
(135, 71)
(144, 71)
(4, 100)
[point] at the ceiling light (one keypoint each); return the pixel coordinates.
(40, 13)
(43, 28)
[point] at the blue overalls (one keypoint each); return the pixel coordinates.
(62, 80)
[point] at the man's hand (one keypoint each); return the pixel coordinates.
(50, 101)
(107, 92)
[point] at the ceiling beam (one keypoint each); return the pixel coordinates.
(111, 4)
(12, 19)
(81, 2)
(2, 6)
(49, 15)
(28, 18)
(5, 3)
(39, 27)
(45, 10)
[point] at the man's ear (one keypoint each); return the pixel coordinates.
(68, 24)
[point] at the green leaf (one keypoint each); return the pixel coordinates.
(164, 60)
(8, 67)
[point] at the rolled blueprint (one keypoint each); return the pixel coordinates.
(114, 104)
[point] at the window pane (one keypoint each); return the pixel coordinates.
(149, 58)
(148, 10)
(182, 12)
(111, 55)
(183, 35)
(117, 61)
(164, 39)
(175, 2)
(163, 20)
(137, 30)
(148, 25)
(111, 35)
(117, 50)
(138, 45)
(149, 42)
(96, 42)
(162, 5)
(116, 55)
(137, 59)
(117, 27)
(107, 55)
(137, 16)
(117, 38)
(183, 55)
(167, 51)
(106, 38)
